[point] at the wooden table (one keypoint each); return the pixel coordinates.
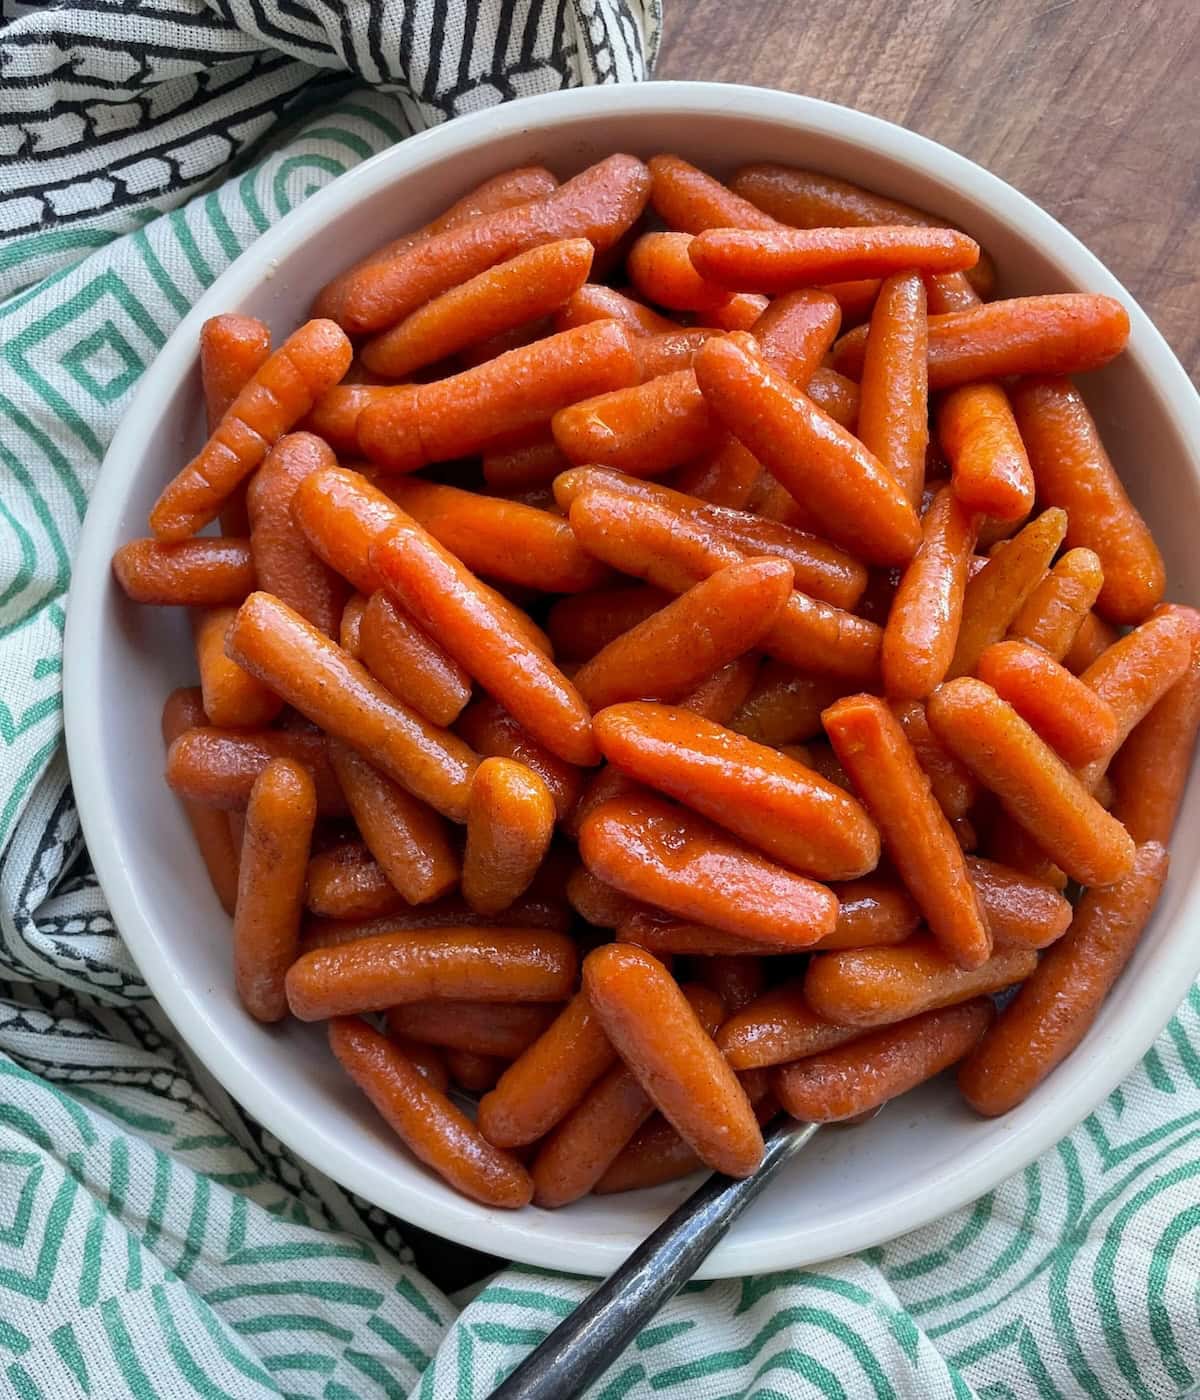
(1088, 106)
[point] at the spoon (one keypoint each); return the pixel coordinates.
(582, 1345)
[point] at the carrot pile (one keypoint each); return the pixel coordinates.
(674, 653)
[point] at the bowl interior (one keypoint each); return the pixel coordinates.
(851, 1189)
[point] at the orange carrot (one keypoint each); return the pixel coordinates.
(232, 697)
(785, 705)
(736, 980)
(479, 1027)
(593, 302)
(953, 787)
(687, 199)
(1092, 640)
(1054, 612)
(346, 882)
(493, 732)
(535, 463)
(988, 462)
(217, 767)
(893, 417)
(207, 573)
(182, 711)
(777, 1028)
(661, 271)
(411, 665)
(232, 350)
(510, 820)
(584, 624)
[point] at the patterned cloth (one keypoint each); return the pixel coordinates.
(154, 1241)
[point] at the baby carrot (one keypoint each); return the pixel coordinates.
(1035, 786)
(329, 687)
(433, 1128)
(1055, 1008)
(1021, 911)
(665, 936)
(510, 819)
(660, 853)
(893, 409)
(535, 463)
(796, 331)
(780, 260)
(873, 1068)
(871, 911)
(777, 1028)
(721, 696)
(736, 980)
(508, 190)
(183, 711)
(858, 503)
(1064, 333)
(1072, 470)
(599, 204)
(982, 443)
(879, 986)
(593, 302)
(479, 1027)
(474, 1074)
(427, 1060)
(335, 415)
(676, 1061)
(922, 628)
(687, 199)
(346, 882)
(597, 903)
(283, 390)
(232, 697)
(549, 1078)
(701, 631)
(1077, 723)
(232, 350)
(532, 911)
(410, 664)
(408, 839)
(868, 739)
(785, 705)
(448, 601)
(776, 805)
(581, 1147)
(461, 964)
(664, 354)
(953, 787)
(510, 294)
(724, 477)
(493, 732)
(997, 593)
(206, 573)
(661, 270)
(1054, 612)
(274, 857)
(283, 562)
(584, 624)
(506, 541)
(1092, 640)
(217, 767)
(520, 389)
(1014, 847)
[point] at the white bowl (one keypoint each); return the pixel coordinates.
(926, 1154)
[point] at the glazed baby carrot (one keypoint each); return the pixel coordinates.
(922, 628)
(1035, 786)
(580, 1149)
(594, 302)
(274, 857)
(510, 294)
(871, 912)
(1092, 640)
(347, 882)
(599, 204)
(736, 980)
(532, 911)
(953, 787)
(785, 705)
(335, 415)
(510, 819)
(1064, 333)
(835, 395)
(327, 685)
(1072, 470)
(232, 697)
(893, 416)
(480, 1027)
(506, 541)
(859, 505)
(1022, 911)
(1077, 723)
(232, 350)
(1151, 769)
(1054, 612)
(509, 190)
(1014, 847)
(721, 696)
(807, 199)
(597, 903)
(283, 390)
(879, 986)
(411, 664)
(776, 805)
(1055, 1008)
(988, 462)
(780, 260)
(868, 739)
(534, 463)
(493, 732)
(582, 625)
(549, 1078)
(664, 354)
(429, 1124)
(780, 1026)
(687, 199)
(408, 839)
(661, 271)
(724, 477)
(676, 1061)
(796, 331)
(668, 857)
(217, 767)
(701, 631)
(283, 562)
(449, 602)
(206, 573)
(857, 1077)
(520, 389)
(427, 1060)
(182, 711)
(666, 936)
(475, 1074)
(997, 593)
(460, 964)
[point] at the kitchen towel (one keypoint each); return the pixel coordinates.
(154, 1240)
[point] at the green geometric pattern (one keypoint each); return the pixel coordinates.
(154, 1242)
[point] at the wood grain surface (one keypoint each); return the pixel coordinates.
(1090, 107)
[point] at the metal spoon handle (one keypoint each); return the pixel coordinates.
(582, 1345)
